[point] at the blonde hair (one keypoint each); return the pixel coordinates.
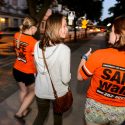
(53, 25)
(28, 22)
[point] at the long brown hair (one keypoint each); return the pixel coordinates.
(119, 28)
(53, 25)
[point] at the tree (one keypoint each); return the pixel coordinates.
(38, 8)
(118, 9)
(92, 8)
(2, 3)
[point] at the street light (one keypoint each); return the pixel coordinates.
(71, 16)
(59, 7)
(72, 22)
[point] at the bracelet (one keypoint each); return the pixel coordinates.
(84, 57)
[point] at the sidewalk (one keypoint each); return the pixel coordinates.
(74, 116)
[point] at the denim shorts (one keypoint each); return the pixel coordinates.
(99, 113)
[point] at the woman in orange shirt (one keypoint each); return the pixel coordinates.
(24, 68)
(105, 103)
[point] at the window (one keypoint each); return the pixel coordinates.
(6, 22)
(15, 22)
(14, 2)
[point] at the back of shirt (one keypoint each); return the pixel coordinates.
(25, 59)
(58, 61)
(107, 69)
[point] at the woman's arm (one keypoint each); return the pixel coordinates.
(83, 60)
(79, 77)
(65, 67)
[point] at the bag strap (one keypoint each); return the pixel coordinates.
(44, 59)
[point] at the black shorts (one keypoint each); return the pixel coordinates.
(19, 76)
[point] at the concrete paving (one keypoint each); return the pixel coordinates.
(75, 116)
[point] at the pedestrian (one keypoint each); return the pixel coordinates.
(24, 68)
(105, 102)
(40, 32)
(57, 56)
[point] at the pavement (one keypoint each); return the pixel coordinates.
(75, 116)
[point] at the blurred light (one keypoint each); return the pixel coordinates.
(59, 7)
(97, 30)
(71, 16)
(78, 27)
(109, 24)
(91, 30)
(2, 20)
(84, 23)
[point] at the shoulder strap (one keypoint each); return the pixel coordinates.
(55, 93)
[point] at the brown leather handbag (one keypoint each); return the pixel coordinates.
(63, 103)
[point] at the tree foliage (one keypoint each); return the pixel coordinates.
(2, 3)
(118, 9)
(92, 8)
(38, 8)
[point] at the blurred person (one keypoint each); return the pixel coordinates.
(24, 68)
(41, 28)
(105, 103)
(43, 22)
(58, 59)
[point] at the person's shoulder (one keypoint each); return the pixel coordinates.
(64, 47)
(100, 51)
(37, 43)
(36, 46)
(16, 34)
(33, 39)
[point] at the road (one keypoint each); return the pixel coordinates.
(7, 56)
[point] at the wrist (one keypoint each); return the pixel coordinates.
(84, 57)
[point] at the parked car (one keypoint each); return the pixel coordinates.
(8, 31)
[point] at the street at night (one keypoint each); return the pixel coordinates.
(9, 90)
(97, 80)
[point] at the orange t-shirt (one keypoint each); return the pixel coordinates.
(106, 68)
(25, 59)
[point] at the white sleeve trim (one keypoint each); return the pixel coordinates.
(87, 70)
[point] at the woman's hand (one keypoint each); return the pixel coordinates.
(89, 52)
(83, 60)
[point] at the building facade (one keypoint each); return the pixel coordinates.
(12, 13)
